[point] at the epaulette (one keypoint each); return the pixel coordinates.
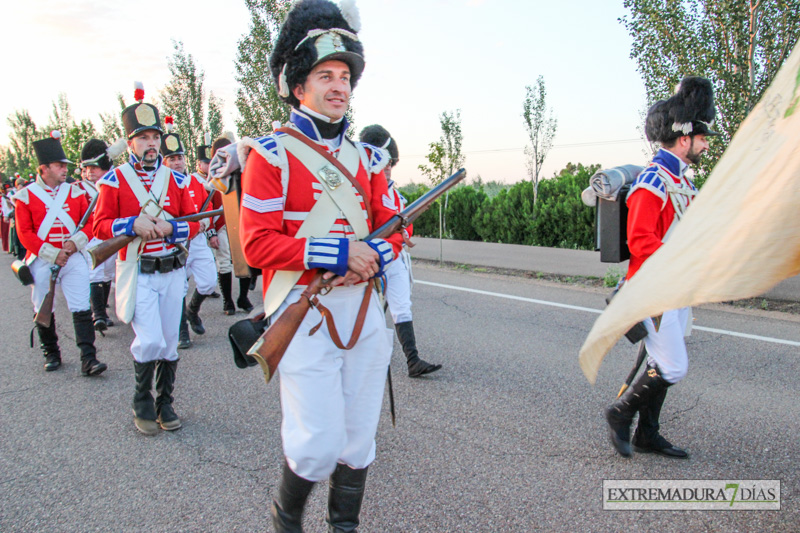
(376, 158)
(22, 195)
(110, 178)
(77, 190)
(650, 180)
(181, 179)
(269, 147)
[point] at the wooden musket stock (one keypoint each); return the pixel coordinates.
(271, 346)
(107, 248)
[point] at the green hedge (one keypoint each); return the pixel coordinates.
(559, 220)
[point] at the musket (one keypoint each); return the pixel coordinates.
(45, 314)
(109, 247)
(638, 363)
(269, 349)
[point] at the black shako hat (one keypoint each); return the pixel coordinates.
(315, 31)
(49, 150)
(378, 136)
(204, 150)
(95, 154)
(690, 111)
(139, 117)
(171, 143)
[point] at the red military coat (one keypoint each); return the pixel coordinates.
(117, 206)
(268, 221)
(650, 210)
(31, 212)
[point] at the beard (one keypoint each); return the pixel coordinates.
(694, 156)
(150, 157)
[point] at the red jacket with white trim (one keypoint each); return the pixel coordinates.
(31, 211)
(268, 221)
(117, 206)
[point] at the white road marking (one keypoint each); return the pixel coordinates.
(598, 311)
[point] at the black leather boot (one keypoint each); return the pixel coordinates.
(144, 409)
(84, 338)
(193, 310)
(287, 507)
(225, 285)
(165, 384)
(646, 438)
(344, 498)
(620, 414)
(106, 293)
(49, 343)
(96, 294)
(183, 336)
(416, 366)
(243, 301)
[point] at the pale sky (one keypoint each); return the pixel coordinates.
(423, 57)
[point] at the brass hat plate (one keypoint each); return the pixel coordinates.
(172, 143)
(145, 115)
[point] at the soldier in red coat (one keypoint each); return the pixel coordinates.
(48, 212)
(309, 197)
(398, 275)
(140, 199)
(656, 202)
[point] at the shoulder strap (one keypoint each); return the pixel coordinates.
(55, 208)
(329, 172)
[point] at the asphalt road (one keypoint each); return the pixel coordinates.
(508, 436)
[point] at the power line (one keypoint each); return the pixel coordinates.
(500, 150)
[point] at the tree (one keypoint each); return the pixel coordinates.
(444, 158)
(61, 118)
(256, 98)
(739, 46)
(20, 155)
(183, 98)
(215, 122)
(111, 129)
(541, 128)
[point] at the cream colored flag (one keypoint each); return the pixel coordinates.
(740, 236)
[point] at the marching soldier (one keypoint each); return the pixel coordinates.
(96, 161)
(398, 274)
(48, 212)
(295, 221)
(222, 254)
(139, 199)
(656, 202)
(17, 248)
(200, 261)
(7, 213)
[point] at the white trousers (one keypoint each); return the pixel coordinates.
(398, 290)
(73, 280)
(666, 348)
(200, 264)
(157, 316)
(331, 398)
(105, 271)
(223, 254)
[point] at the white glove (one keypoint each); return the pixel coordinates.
(224, 162)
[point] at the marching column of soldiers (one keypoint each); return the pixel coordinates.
(148, 225)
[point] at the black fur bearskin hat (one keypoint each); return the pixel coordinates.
(376, 135)
(690, 111)
(315, 31)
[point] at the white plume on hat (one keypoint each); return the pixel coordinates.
(207, 138)
(350, 14)
(55, 134)
(117, 149)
